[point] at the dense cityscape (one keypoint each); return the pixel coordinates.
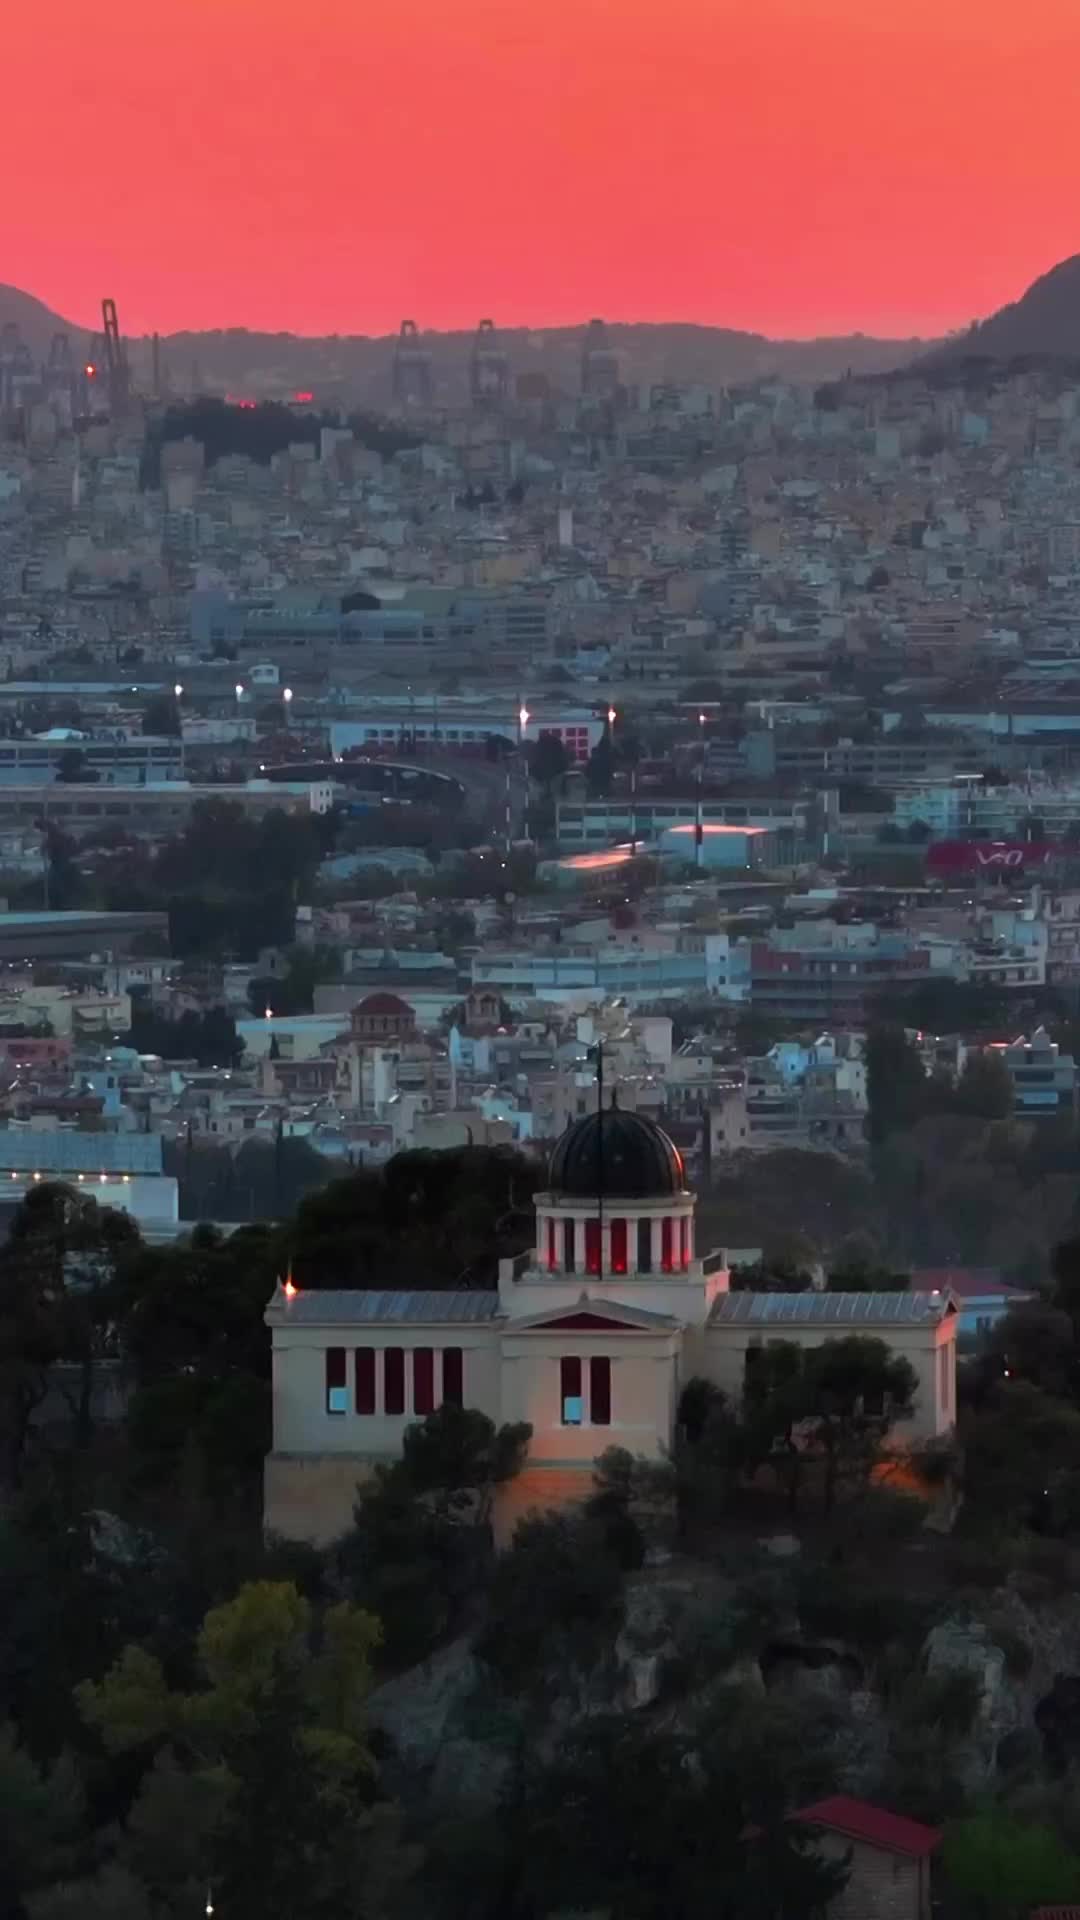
(539, 1131)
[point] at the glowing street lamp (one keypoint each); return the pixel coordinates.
(286, 695)
(178, 691)
(612, 716)
(524, 717)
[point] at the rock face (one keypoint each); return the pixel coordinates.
(423, 1717)
(966, 1647)
(450, 1736)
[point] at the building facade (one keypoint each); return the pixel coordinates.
(589, 1337)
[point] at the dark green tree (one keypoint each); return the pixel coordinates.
(984, 1090)
(896, 1082)
(162, 717)
(74, 768)
(548, 759)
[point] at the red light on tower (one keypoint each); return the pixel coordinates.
(90, 370)
(302, 399)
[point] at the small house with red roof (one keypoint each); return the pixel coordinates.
(890, 1858)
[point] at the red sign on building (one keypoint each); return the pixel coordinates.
(987, 856)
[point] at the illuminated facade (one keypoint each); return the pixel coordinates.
(590, 1337)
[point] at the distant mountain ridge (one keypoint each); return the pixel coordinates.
(648, 353)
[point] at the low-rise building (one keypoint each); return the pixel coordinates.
(588, 1338)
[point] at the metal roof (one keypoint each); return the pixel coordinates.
(861, 1820)
(830, 1309)
(55, 1151)
(334, 1307)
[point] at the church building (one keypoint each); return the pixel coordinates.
(590, 1337)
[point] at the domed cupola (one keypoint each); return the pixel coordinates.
(617, 1203)
(616, 1154)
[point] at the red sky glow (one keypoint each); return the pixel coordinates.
(792, 166)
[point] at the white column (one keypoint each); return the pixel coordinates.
(657, 1244)
(437, 1375)
(605, 1248)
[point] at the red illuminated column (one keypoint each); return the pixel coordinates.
(617, 1261)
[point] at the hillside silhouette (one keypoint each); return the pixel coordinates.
(1044, 323)
(359, 365)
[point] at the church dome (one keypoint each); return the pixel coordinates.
(616, 1154)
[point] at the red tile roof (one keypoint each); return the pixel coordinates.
(858, 1820)
(383, 1003)
(968, 1283)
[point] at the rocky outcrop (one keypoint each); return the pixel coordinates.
(432, 1744)
(690, 1637)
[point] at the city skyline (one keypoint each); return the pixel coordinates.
(797, 171)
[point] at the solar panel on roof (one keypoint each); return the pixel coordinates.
(75, 1152)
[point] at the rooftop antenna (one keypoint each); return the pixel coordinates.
(600, 1156)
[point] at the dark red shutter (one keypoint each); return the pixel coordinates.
(618, 1246)
(394, 1380)
(453, 1377)
(666, 1256)
(685, 1242)
(365, 1379)
(335, 1380)
(552, 1256)
(599, 1392)
(423, 1380)
(592, 1246)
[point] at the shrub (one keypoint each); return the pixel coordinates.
(555, 1597)
(947, 1701)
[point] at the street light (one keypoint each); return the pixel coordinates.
(286, 695)
(699, 824)
(612, 716)
(178, 691)
(523, 721)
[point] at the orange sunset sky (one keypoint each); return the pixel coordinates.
(794, 166)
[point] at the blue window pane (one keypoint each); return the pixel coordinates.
(337, 1399)
(571, 1410)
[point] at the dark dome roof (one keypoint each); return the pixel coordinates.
(616, 1153)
